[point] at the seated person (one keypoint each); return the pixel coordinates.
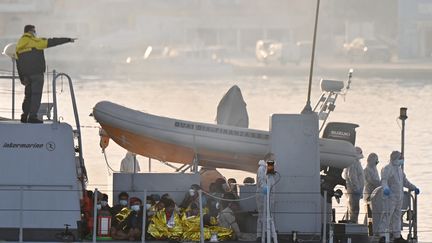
(103, 208)
(212, 204)
(123, 199)
(192, 196)
(227, 219)
(135, 219)
(128, 222)
(87, 212)
(118, 213)
(249, 181)
(232, 186)
(166, 224)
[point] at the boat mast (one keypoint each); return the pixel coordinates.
(308, 109)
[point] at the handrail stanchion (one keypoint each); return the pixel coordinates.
(201, 216)
(324, 236)
(77, 122)
(415, 216)
(144, 217)
(331, 234)
(13, 89)
(21, 215)
(95, 196)
(268, 214)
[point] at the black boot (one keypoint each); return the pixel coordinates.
(382, 240)
(34, 119)
(24, 118)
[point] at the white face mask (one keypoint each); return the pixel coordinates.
(191, 192)
(217, 205)
(148, 206)
(104, 203)
(98, 206)
(135, 208)
(123, 202)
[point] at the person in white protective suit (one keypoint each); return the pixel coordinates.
(265, 176)
(130, 164)
(393, 180)
(354, 179)
(372, 181)
(371, 175)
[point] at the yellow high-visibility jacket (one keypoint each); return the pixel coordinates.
(30, 55)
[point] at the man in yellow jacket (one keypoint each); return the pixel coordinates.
(31, 68)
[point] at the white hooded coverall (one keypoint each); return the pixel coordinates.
(371, 175)
(262, 180)
(127, 164)
(354, 185)
(394, 178)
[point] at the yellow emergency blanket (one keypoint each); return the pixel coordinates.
(184, 229)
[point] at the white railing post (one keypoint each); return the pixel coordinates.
(144, 217)
(268, 214)
(324, 236)
(331, 233)
(201, 216)
(21, 215)
(95, 194)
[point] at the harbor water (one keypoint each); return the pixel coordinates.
(372, 103)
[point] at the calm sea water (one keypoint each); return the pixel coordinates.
(373, 104)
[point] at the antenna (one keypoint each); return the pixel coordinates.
(308, 109)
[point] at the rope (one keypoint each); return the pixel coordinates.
(108, 165)
(229, 200)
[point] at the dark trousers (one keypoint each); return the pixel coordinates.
(32, 94)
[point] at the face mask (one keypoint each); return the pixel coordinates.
(123, 202)
(104, 203)
(148, 206)
(401, 162)
(217, 205)
(135, 208)
(98, 206)
(191, 192)
(376, 162)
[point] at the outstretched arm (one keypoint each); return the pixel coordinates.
(59, 41)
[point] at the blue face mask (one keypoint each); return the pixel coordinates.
(401, 162)
(123, 202)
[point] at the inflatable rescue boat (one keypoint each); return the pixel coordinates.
(217, 146)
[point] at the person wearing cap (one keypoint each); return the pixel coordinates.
(393, 180)
(354, 179)
(135, 219)
(31, 68)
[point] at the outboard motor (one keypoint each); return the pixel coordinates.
(341, 131)
(333, 176)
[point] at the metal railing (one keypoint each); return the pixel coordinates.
(327, 233)
(79, 149)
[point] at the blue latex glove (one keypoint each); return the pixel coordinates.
(417, 191)
(386, 191)
(264, 191)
